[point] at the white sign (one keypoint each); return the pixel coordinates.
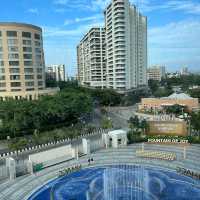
(177, 141)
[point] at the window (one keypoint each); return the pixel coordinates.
(2, 77)
(30, 89)
(37, 36)
(37, 43)
(11, 33)
(1, 63)
(12, 48)
(15, 90)
(28, 70)
(1, 48)
(26, 42)
(0, 33)
(26, 34)
(40, 83)
(2, 85)
(2, 70)
(13, 56)
(14, 70)
(28, 63)
(27, 49)
(28, 84)
(39, 76)
(39, 70)
(15, 84)
(38, 50)
(12, 42)
(38, 57)
(1, 56)
(27, 56)
(14, 77)
(27, 77)
(14, 63)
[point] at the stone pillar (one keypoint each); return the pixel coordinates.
(30, 166)
(105, 140)
(10, 164)
(86, 146)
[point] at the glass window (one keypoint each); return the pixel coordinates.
(27, 56)
(27, 77)
(26, 34)
(1, 48)
(39, 70)
(1, 63)
(15, 84)
(37, 43)
(1, 56)
(2, 70)
(38, 50)
(2, 77)
(13, 56)
(14, 63)
(14, 70)
(38, 57)
(28, 63)
(11, 33)
(29, 83)
(12, 42)
(14, 77)
(37, 36)
(0, 33)
(28, 70)
(26, 42)
(2, 84)
(40, 83)
(39, 76)
(14, 49)
(27, 49)
(30, 89)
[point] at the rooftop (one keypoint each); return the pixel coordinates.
(178, 96)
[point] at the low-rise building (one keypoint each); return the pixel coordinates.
(156, 73)
(174, 99)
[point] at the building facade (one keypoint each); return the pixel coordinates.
(22, 65)
(91, 59)
(56, 72)
(126, 46)
(156, 73)
(174, 99)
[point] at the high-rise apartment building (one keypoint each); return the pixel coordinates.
(22, 66)
(91, 59)
(156, 73)
(126, 46)
(56, 72)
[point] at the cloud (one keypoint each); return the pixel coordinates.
(95, 18)
(33, 11)
(175, 43)
(60, 2)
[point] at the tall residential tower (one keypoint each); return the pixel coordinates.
(126, 46)
(91, 59)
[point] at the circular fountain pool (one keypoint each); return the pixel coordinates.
(121, 182)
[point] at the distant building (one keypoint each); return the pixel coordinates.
(184, 71)
(156, 73)
(91, 59)
(173, 75)
(159, 103)
(56, 72)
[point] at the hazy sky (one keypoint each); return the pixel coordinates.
(173, 28)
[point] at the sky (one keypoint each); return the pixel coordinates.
(173, 28)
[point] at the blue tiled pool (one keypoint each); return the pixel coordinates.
(120, 182)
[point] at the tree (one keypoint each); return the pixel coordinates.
(134, 122)
(106, 123)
